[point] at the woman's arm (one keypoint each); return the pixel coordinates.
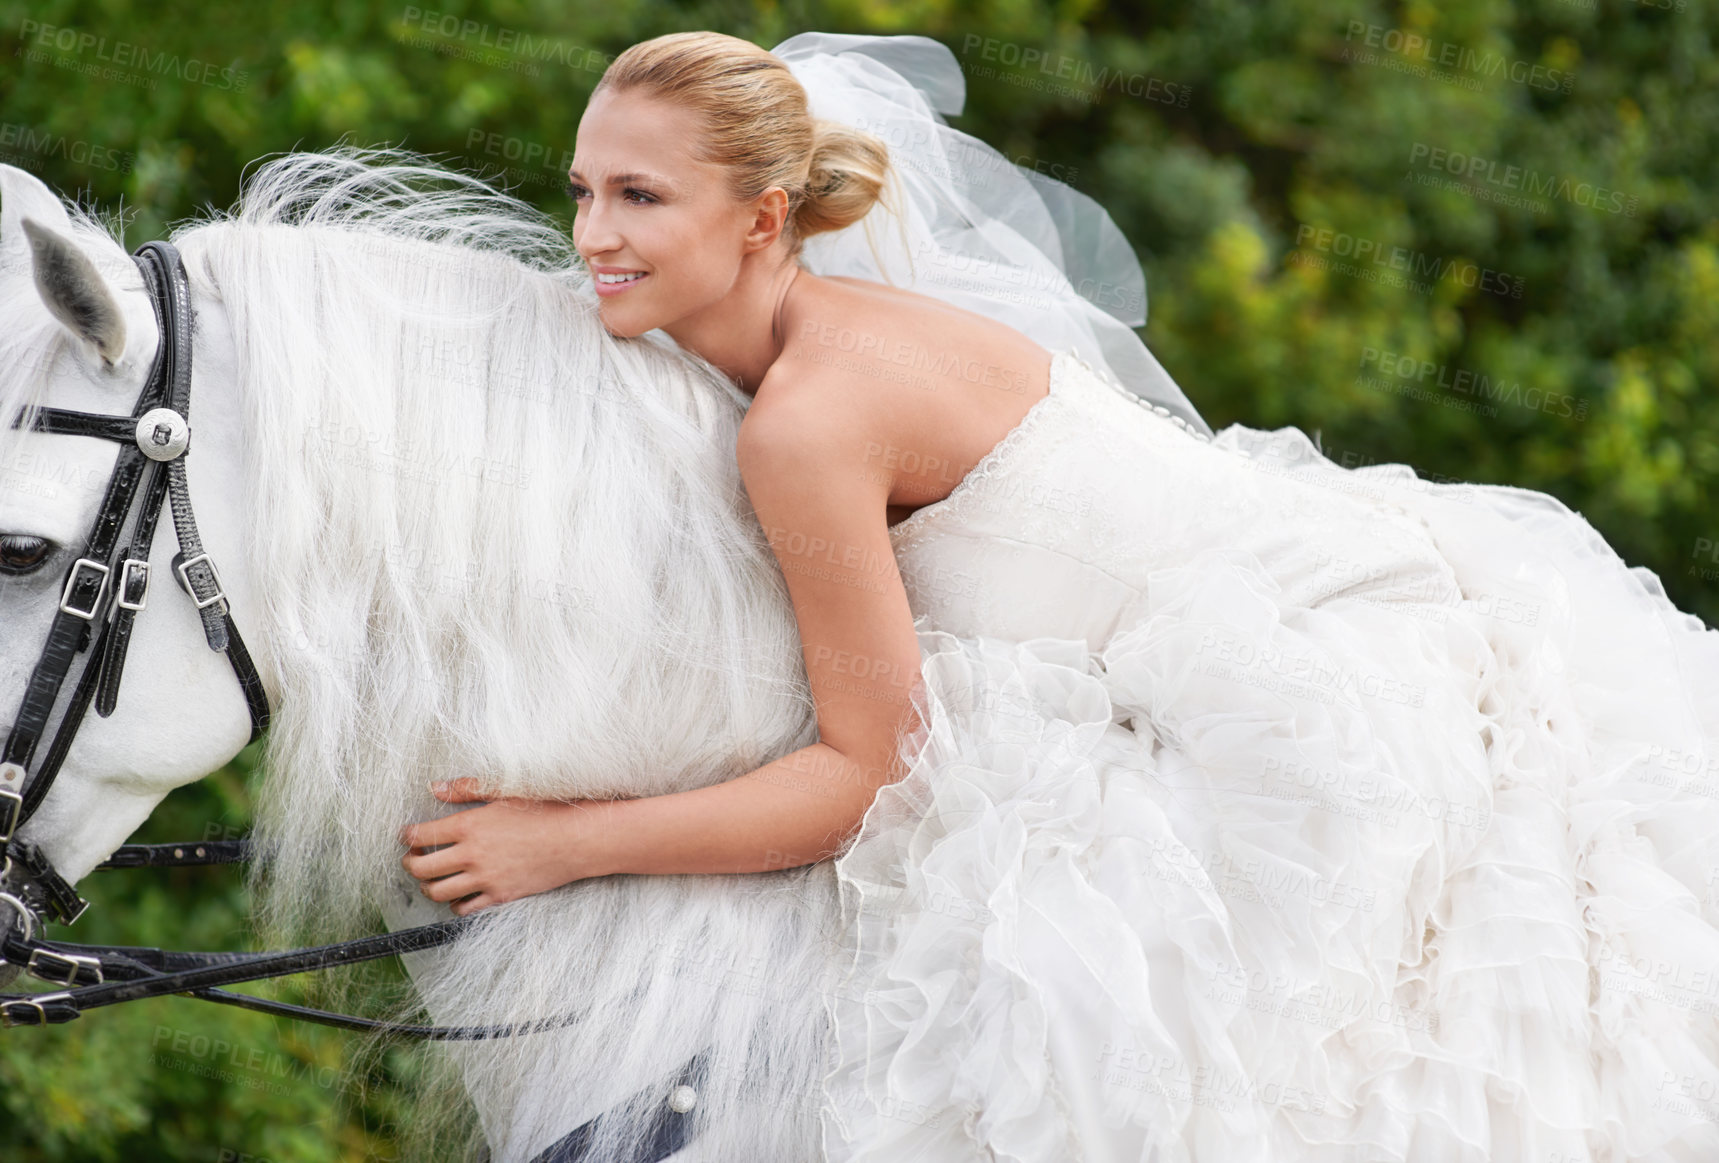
(812, 465)
(794, 810)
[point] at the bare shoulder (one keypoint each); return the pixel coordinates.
(918, 389)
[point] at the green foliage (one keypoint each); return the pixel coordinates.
(1224, 137)
(179, 1079)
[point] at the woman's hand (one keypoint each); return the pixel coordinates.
(504, 850)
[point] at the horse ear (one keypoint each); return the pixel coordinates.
(75, 292)
(23, 194)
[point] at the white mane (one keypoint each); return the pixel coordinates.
(493, 540)
(496, 541)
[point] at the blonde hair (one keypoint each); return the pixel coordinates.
(760, 127)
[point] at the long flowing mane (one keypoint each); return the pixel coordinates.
(491, 539)
(496, 540)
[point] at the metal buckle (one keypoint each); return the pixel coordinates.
(83, 907)
(25, 925)
(69, 969)
(71, 580)
(218, 596)
(125, 572)
(10, 1011)
(11, 807)
(24, 913)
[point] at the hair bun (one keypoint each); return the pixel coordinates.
(846, 175)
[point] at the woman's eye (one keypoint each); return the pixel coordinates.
(21, 553)
(637, 197)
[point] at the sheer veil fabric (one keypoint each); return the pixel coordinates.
(974, 229)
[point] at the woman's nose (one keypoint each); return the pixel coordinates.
(594, 234)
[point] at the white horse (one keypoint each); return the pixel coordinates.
(463, 531)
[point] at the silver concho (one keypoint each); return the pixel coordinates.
(162, 433)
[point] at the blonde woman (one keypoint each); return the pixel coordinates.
(1192, 797)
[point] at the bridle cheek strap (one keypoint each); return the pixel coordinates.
(110, 578)
(153, 442)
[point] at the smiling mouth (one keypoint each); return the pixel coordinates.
(610, 285)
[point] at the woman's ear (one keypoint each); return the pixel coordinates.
(770, 215)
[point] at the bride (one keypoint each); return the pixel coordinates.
(1192, 798)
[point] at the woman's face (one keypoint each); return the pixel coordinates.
(648, 210)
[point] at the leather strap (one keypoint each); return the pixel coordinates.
(85, 591)
(131, 585)
(97, 579)
(670, 1130)
(62, 422)
(207, 969)
(102, 975)
(186, 855)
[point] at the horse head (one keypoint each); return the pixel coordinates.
(82, 335)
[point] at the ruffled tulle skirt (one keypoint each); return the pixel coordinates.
(1397, 876)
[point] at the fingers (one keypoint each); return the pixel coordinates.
(430, 865)
(451, 888)
(457, 791)
(443, 830)
(429, 833)
(481, 901)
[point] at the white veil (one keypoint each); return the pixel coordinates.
(977, 231)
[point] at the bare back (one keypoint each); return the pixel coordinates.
(940, 386)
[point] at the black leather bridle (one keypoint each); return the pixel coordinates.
(153, 441)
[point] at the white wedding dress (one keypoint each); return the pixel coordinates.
(1272, 811)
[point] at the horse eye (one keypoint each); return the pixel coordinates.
(20, 552)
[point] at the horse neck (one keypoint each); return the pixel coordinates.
(458, 484)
